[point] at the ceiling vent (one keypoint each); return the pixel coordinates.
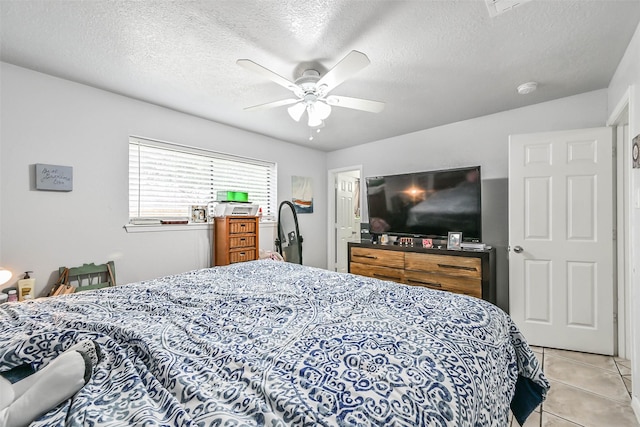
(498, 7)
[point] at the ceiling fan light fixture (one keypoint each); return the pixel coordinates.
(296, 111)
(323, 110)
(317, 112)
(314, 120)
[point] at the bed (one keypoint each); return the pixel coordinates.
(273, 343)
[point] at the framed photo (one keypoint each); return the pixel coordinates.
(198, 213)
(454, 240)
(427, 243)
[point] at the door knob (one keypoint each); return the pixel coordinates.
(518, 249)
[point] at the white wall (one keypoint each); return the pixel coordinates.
(55, 121)
(481, 141)
(628, 75)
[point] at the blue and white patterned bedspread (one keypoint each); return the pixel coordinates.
(272, 343)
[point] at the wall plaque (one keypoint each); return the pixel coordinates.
(54, 177)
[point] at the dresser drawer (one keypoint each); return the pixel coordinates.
(382, 257)
(457, 284)
(444, 264)
(242, 241)
(239, 226)
(378, 272)
(242, 255)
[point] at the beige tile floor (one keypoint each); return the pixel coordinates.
(587, 390)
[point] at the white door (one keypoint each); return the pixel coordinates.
(561, 277)
(347, 227)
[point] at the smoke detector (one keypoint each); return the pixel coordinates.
(528, 87)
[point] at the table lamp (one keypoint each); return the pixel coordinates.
(5, 275)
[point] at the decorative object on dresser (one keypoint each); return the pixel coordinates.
(454, 240)
(465, 272)
(235, 239)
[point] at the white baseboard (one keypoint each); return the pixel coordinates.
(635, 405)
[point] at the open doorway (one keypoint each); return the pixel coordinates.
(345, 206)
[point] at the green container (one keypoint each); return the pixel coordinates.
(232, 196)
(240, 196)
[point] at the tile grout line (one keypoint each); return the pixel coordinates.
(620, 402)
(622, 376)
(589, 365)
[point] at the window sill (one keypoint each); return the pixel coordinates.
(146, 228)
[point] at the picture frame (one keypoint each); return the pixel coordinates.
(454, 240)
(427, 243)
(198, 214)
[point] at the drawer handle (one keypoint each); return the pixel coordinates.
(365, 256)
(457, 267)
(382, 276)
(431, 284)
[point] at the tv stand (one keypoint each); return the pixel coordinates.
(470, 272)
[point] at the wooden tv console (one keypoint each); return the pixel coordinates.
(460, 271)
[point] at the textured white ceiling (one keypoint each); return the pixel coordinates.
(432, 62)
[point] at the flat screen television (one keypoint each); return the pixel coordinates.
(427, 204)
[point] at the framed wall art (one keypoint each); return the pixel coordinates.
(54, 177)
(302, 194)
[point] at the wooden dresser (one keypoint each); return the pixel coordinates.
(235, 239)
(466, 272)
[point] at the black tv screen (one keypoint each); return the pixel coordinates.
(427, 204)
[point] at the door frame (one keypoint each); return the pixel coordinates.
(619, 117)
(331, 209)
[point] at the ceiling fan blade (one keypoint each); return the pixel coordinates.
(273, 104)
(348, 66)
(296, 111)
(355, 103)
(259, 69)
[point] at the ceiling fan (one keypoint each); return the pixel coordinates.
(312, 90)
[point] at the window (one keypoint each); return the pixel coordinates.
(165, 179)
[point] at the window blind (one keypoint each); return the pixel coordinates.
(165, 179)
